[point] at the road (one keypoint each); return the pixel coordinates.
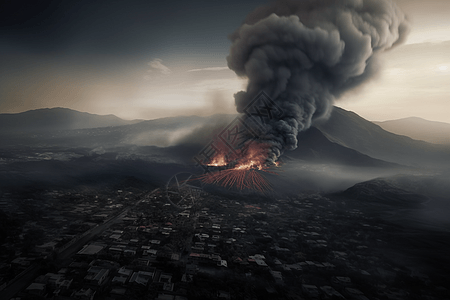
(76, 246)
(24, 279)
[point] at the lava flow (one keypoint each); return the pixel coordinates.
(244, 171)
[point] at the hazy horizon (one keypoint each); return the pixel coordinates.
(140, 61)
(207, 115)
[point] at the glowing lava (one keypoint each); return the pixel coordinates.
(252, 156)
(218, 160)
(245, 174)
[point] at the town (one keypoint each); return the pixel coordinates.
(129, 244)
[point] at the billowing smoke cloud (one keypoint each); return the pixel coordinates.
(305, 54)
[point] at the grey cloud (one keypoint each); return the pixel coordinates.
(209, 69)
(158, 65)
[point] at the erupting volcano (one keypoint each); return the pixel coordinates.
(302, 56)
(305, 54)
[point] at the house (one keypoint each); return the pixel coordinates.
(100, 217)
(37, 289)
(129, 253)
(278, 249)
(355, 294)
(168, 287)
(165, 278)
(96, 276)
(84, 294)
(90, 249)
(115, 236)
(330, 293)
(191, 269)
(222, 263)
(142, 277)
(46, 248)
(187, 278)
(65, 284)
(143, 262)
(258, 259)
(261, 263)
(311, 291)
(120, 279)
(22, 261)
(118, 291)
(150, 252)
(341, 282)
(258, 256)
(199, 257)
(197, 248)
(223, 295)
(277, 276)
(295, 267)
(124, 272)
(54, 280)
(107, 264)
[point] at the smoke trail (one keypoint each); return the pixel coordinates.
(305, 54)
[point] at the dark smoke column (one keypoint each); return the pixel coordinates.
(305, 54)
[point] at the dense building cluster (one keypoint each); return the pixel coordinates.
(130, 245)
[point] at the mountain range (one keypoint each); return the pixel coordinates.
(53, 119)
(345, 138)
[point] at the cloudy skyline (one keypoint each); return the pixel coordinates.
(139, 59)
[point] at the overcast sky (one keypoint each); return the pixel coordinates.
(151, 59)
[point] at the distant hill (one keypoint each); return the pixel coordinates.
(382, 191)
(419, 129)
(164, 132)
(53, 119)
(350, 130)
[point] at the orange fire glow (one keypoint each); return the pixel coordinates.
(218, 160)
(253, 156)
(245, 173)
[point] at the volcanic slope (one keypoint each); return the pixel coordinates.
(350, 130)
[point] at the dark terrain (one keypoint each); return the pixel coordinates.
(399, 184)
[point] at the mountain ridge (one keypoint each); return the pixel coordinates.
(344, 138)
(57, 118)
(351, 130)
(419, 129)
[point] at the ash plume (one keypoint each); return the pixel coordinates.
(305, 54)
